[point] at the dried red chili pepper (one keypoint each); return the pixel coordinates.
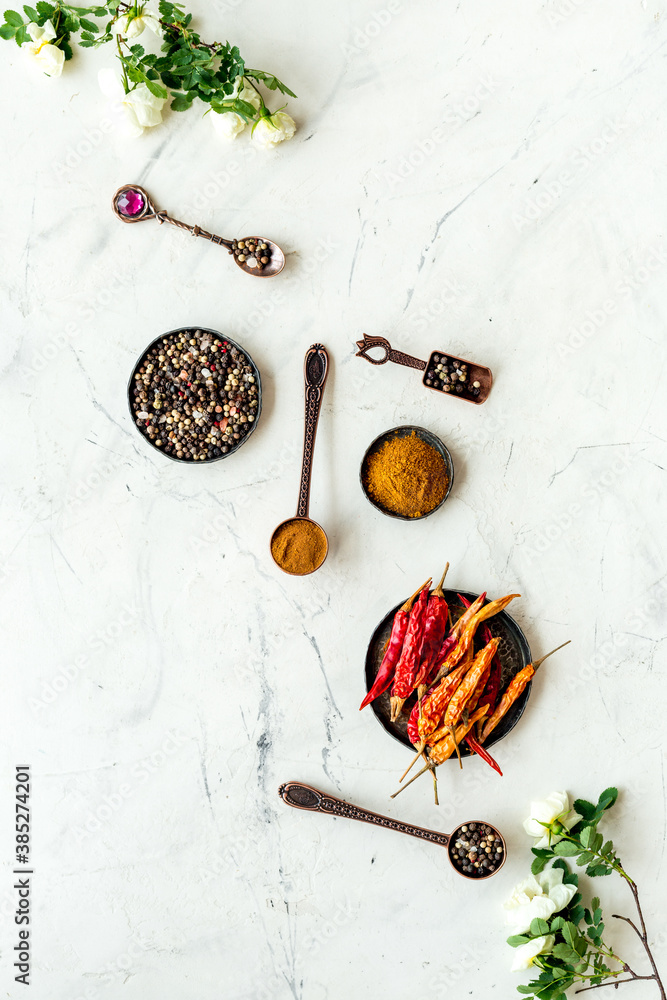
(479, 749)
(491, 691)
(514, 689)
(408, 664)
(450, 640)
(468, 633)
(385, 674)
(436, 701)
(443, 749)
(435, 628)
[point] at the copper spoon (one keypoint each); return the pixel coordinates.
(315, 370)
(301, 796)
(132, 203)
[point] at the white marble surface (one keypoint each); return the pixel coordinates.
(481, 177)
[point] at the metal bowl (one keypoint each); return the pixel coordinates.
(514, 654)
(405, 431)
(220, 336)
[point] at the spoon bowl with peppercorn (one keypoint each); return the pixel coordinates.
(475, 849)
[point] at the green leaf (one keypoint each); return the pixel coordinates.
(570, 933)
(538, 927)
(597, 871)
(182, 102)
(595, 902)
(576, 914)
(557, 924)
(157, 90)
(585, 809)
(585, 858)
(597, 915)
(273, 83)
(7, 30)
(22, 35)
(607, 799)
(526, 990)
(31, 13)
(11, 17)
(588, 917)
(538, 865)
(517, 939)
(89, 25)
(566, 953)
(45, 8)
(587, 836)
(607, 849)
(596, 843)
(565, 849)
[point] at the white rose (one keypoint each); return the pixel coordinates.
(540, 896)
(138, 110)
(132, 27)
(48, 57)
(227, 123)
(555, 807)
(274, 128)
(525, 954)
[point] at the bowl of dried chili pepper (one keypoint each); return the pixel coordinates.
(407, 473)
(491, 629)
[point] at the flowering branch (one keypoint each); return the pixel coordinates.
(568, 947)
(186, 70)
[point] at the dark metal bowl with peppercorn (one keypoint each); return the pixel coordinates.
(195, 395)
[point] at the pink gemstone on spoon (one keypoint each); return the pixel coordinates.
(130, 202)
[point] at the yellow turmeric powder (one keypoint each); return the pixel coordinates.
(406, 476)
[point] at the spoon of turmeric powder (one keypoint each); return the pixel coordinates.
(299, 545)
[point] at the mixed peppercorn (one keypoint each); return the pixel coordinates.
(448, 374)
(195, 396)
(476, 849)
(252, 251)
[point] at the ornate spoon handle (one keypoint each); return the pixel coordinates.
(306, 797)
(194, 230)
(368, 343)
(315, 370)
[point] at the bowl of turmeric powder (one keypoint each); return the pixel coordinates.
(407, 473)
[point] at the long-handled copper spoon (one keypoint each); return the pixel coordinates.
(300, 533)
(255, 255)
(300, 796)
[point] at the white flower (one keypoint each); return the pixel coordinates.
(138, 110)
(131, 27)
(274, 128)
(227, 123)
(47, 56)
(525, 954)
(555, 807)
(537, 897)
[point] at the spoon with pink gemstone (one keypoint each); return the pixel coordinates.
(253, 254)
